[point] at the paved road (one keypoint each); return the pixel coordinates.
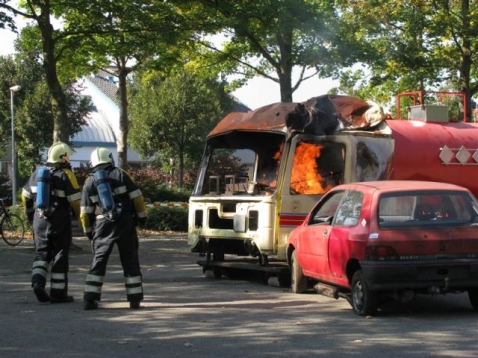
(186, 315)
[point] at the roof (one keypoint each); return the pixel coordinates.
(107, 84)
(402, 185)
(97, 132)
(315, 116)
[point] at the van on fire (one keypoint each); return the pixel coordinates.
(263, 170)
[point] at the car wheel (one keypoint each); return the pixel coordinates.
(364, 301)
(473, 296)
(298, 280)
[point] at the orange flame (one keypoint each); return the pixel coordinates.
(305, 178)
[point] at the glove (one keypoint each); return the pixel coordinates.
(141, 221)
(89, 235)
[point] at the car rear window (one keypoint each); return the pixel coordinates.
(434, 208)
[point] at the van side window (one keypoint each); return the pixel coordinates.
(316, 168)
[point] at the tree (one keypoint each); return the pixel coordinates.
(171, 117)
(121, 35)
(41, 12)
(270, 38)
(417, 44)
(33, 115)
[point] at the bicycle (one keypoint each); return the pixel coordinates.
(11, 225)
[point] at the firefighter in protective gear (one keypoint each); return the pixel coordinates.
(107, 230)
(52, 227)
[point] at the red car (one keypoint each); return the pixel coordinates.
(371, 241)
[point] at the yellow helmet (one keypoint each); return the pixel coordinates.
(59, 153)
(101, 156)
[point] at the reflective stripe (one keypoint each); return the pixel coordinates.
(57, 276)
(120, 190)
(94, 278)
(39, 271)
(94, 198)
(40, 265)
(59, 193)
(94, 289)
(58, 285)
(74, 197)
(135, 194)
(134, 290)
(132, 280)
(34, 189)
(27, 194)
(141, 214)
(87, 209)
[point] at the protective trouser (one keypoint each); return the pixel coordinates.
(52, 244)
(106, 235)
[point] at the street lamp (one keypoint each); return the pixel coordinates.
(14, 163)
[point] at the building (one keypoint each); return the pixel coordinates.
(102, 127)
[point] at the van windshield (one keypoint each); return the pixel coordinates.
(238, 163)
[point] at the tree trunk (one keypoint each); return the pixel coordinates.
(122, 139)
(284, 72)
(181, 168)
(466, 61)
(61, 131)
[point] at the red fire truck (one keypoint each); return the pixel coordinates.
(263, 170)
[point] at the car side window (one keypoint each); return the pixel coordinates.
(350, 209)
(324, 212)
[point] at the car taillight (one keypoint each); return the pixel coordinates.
(381, 253)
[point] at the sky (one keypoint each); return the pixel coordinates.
(256, 93)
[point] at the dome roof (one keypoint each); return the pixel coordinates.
(97, 131)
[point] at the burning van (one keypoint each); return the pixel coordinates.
(263, 170)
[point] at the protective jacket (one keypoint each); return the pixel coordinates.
(105, 233)
(52, 233)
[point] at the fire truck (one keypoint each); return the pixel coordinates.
(263, 170)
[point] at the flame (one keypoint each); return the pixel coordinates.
(305, 178)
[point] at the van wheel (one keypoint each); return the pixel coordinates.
(298, 280)
(473, 296)
(364, 301)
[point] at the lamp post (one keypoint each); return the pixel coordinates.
(14, 162)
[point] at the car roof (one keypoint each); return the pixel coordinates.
(401, 185)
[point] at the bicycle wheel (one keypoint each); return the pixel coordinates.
(12, 229)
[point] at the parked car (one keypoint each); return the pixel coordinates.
(372, 241)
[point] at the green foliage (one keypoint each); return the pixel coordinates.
(33, 116)
(167, 219)
(155, 186)
(271, 38)
(414, 45)
(172, 116)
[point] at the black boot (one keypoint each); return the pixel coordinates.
(40, 292)
(90, 305)
(134, 304)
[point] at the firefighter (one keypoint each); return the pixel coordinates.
(52, 225)
(107, 225)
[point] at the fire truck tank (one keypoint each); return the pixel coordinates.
(436, 151)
